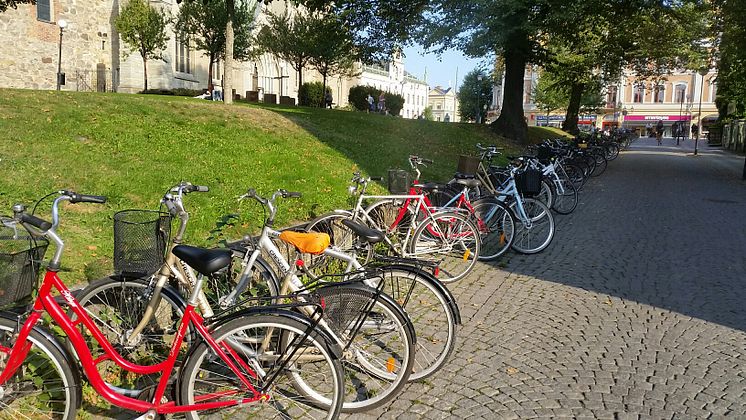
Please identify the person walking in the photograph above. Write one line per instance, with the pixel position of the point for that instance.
(382, 103)
(659, 132)
(371, 103)
(328, 99)
(695, 130)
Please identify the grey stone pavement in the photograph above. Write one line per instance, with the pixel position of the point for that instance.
(636, 310)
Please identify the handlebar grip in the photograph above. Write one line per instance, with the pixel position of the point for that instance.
(36, 221)
(376, 178)
(202, 188)
(291, 194)
(427, 161)
(170, 206)
(85, 198)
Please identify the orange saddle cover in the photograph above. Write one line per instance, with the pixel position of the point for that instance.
(310, 243)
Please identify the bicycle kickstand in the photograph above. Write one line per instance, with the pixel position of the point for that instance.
(149, 415)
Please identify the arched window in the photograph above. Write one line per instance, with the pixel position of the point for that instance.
(659, 93)
(638, 93)
(680, 93)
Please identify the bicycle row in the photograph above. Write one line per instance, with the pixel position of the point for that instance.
(285, 324)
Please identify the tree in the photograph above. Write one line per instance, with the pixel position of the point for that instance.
(730, 22)
(550, 95)
(143, 29)
(289, 38)
(333, 50)
(206, 22)
(427, 113)
(474, 94)
(13, 4)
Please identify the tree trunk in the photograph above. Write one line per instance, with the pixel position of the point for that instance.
(573, 109)
(145, 70)
(210, 87)
(300, 74)
(512, 122)
(323, 90)
(228, 70)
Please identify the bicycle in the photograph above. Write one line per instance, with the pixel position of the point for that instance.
(446, 240)
(369, 383)
(245, 354)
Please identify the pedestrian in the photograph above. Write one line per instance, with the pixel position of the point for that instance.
(659, 132)
(370, 103)
(381, 103)
(649, 129)
(695, 130)
(329, 99)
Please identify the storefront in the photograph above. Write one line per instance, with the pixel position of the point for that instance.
(585, 122)
(643, 123)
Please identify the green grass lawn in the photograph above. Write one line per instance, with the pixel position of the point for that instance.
(538, 134)
(131, 148)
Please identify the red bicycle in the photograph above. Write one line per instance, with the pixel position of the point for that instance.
(265, 361)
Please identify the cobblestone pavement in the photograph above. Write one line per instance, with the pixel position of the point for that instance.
(637, 309)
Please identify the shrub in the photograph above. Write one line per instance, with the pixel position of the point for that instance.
(174, 92)
(359, 96)
(311, 94)
(394, 103)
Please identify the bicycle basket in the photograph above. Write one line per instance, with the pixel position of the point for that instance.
(528, 182)
(399, 181)
(140, 240)
(544, 153)
(20, 260)
(468, 165)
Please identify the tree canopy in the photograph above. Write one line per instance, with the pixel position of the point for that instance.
(143, 28)
(474, 94)
(5, 4)
(730, 22)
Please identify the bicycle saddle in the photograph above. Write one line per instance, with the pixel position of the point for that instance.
(429, 186)
(372, 236)
(468, 182)
(309, 243)
(205, 261)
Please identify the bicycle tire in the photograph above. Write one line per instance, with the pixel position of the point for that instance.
(447, 236)
(539, 215)
(566, 200)
(601, 164)
(496, 225)
(45, 358)
(429, 307)
(382, 214)
(310, 385)
(340, 236)
(384, 327)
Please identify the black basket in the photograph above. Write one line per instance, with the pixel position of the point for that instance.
(528, 182)
(20, 260)
(399, 181)
(140, 240)
(468, 165)
(544, 153)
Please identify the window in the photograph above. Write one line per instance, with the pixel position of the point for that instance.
(639, 93)
(183, 62)
(611, 97)
(680, 93)
(659, 94)
(713, 91)
(439, 106)
(44, 10)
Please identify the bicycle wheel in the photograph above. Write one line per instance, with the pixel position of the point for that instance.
(221, 290)
(46, 385)
(382, 215)
(546, 195)
(450, 240)
(305, 373)
(601, 164)
(429, 306)
(535, 232)
(575, 175)
(496, 227)
(117, 305)
(566, 197)
(378, 341)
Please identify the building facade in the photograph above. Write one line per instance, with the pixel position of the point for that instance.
(444, 104)
(393, 78)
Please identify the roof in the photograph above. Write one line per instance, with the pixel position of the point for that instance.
(439, 90)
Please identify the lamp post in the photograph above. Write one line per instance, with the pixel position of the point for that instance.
(62, 23)
(479, 85)
(702, 72)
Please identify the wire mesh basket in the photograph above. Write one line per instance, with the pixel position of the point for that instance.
(140, 240)
(528, 182)
(21, 256)
(399, 181)
(467, 165)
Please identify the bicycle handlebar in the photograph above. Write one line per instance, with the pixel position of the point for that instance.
(270, 202)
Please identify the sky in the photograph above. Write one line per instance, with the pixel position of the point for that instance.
(440, 71)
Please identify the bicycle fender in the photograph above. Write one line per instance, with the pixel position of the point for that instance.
(450, 300)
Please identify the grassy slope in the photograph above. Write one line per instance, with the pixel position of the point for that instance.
(132, 147)
(537, 134)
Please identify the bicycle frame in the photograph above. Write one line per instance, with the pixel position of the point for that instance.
(46, 302)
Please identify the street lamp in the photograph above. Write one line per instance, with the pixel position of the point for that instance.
(702, 72)
(62, 23)
(479, 85)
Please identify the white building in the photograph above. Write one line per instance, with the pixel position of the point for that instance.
(391, 77)
(444, 103)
